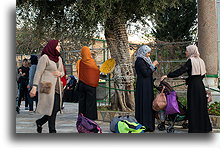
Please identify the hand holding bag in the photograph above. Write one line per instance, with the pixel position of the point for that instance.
(160, 102)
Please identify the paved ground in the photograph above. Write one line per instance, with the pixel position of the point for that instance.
(66, 122)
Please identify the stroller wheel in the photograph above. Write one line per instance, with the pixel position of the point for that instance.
(170, 130)
(185, 125)
(161, 126)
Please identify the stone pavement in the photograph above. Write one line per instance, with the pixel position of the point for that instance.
(65, 123)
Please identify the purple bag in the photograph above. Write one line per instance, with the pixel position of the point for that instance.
(85, 125)
(172, 104)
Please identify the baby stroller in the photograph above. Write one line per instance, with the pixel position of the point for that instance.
(170, 119)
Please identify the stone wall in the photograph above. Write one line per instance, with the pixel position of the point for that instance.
(215, 120)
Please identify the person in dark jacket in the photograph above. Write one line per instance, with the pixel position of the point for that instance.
(69, 91)
(23, 71)
(34, 61)
(144, 88)
(198, 117)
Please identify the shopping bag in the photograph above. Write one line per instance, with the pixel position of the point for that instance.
(172, 104)
(159, 102)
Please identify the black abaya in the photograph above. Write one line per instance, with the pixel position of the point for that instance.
(198, 117)
(87, 101)
(144, 94)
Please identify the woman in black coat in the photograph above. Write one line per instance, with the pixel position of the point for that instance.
(198, 117)
(144, 88)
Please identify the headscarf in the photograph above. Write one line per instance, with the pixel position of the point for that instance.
(50, 50)
(87, 69)
(198, 65)
(34, 60)
(142, 51)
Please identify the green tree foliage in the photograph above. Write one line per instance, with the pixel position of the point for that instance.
(48, 19)
(176, 23)
(27, 42)
(78, 20)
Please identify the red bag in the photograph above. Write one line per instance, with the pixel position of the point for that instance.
(160, 101)
(63, 79)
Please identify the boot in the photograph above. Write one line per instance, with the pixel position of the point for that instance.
(39, 127)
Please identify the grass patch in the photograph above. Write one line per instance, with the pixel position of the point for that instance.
(182, 100)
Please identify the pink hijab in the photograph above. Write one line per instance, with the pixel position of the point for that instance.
(198, 65)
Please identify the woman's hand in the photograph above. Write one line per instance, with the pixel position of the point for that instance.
(57, 73)
(23, 74)
(155, 63)
(163, 77)
(33, 91)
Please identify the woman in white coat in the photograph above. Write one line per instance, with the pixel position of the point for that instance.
(47, 81)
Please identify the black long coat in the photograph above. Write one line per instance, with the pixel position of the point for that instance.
(144, 94)
(198, 117)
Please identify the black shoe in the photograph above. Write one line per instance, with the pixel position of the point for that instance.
(39, 127)
(53, 131)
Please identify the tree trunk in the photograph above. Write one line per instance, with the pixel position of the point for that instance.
(208, 37)
(208, 34)
(117, 41)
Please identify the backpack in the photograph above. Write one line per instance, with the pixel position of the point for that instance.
(85, 125)
(119, 118)
(125, 126)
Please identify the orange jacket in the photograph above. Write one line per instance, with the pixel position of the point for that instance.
(88, 71)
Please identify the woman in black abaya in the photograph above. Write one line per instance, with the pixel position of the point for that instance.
(144, 88)
(198, 117)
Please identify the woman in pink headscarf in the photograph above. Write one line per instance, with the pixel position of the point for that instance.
(198, 117)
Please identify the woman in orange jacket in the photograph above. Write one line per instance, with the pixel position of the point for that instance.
(88, 73)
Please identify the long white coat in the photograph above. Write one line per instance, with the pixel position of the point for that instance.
(44, 72)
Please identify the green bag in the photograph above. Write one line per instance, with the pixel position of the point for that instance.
(125, 126)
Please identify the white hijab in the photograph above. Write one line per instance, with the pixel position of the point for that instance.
(141, 52)
(198, 65)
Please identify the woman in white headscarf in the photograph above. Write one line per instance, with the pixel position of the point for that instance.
(198, 117)
(144, 88)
